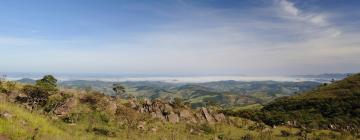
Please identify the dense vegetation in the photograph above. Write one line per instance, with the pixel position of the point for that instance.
(332, 106)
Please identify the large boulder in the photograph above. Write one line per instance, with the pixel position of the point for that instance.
(187, 115)
(219, 117)
(200, 117)
(207, 115)
(173, 118)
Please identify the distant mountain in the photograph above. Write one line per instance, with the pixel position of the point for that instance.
(335, 106)
(27, 81)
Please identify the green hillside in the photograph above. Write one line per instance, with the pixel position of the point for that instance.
(331, 106)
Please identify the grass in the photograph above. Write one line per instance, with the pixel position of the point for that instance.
(23, 123)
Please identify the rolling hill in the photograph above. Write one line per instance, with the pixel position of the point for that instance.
(334, 106)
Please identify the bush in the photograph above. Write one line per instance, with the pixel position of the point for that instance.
(55, 101)
(34, 95)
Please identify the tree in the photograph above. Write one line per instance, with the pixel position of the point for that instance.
(118, 89)
(48, 83)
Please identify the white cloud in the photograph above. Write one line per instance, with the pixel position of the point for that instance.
(289, 8)
(290, 11)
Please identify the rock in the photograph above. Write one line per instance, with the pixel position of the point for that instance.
(219, 117)
(187, 116)
(331, 126)
(147, 102)
(132, 104)
(112, 107)
(208, 117)
(173, 118)
(141, 125)
(154, 129)
(167, 109)
(200, 117)
(159, 115)
(6, 115)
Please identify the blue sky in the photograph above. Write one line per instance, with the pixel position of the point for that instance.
(180, 37)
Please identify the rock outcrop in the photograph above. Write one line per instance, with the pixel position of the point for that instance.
(65, 108)
(168, 112)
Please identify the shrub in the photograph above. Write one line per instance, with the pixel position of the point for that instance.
(35, 95)
(55, 101)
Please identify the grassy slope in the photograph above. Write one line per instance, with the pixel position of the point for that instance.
(337, 103)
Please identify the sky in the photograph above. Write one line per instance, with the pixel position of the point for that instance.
(180, 37)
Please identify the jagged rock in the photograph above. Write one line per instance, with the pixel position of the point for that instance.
(200, 117)
(173, 118)
(208, 117)
(132, 104)
(187, 116)
(219, 117)
(159, 115)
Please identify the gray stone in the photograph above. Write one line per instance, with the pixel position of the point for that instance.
(173, 118)
(208, 117)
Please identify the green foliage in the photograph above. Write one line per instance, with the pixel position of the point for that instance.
(48, 83)
(336, 104)
(55, 101)
(34, 96)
